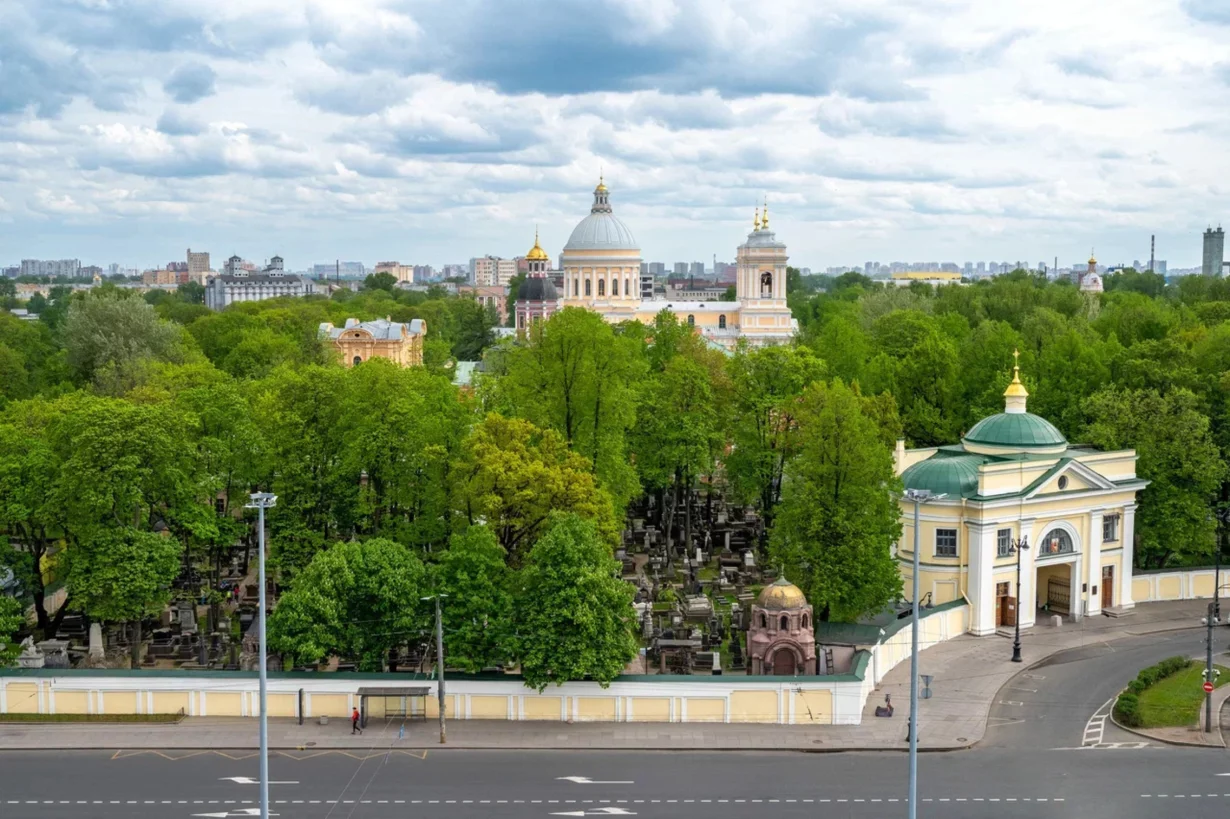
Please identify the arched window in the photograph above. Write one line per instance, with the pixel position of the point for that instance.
(764, 621)
(722, 322)
(576, 287)
(358, 360)
(1056, 542)
(766, 285)
(691, 320)
(601, 287)
(588, 288)
(804, 621)
(785, 623)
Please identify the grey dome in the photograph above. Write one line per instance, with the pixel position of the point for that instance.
(601, 231)
(537, 288)
(763, 238)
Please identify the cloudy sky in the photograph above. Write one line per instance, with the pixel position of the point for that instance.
(430, 131)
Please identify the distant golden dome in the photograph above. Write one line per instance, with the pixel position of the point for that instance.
(781, 595)
(537, 254)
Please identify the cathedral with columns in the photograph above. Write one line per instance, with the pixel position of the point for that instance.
(602, 272)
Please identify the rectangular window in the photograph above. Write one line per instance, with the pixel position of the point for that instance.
(1110, 528)
(1003, 542)
(945, 542)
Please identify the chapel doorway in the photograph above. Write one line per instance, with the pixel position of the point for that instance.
(1108, 586)
(783, 662)
(1005, 606)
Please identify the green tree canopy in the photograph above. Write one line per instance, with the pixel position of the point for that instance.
(572, 613)
(12, 619)
(473, 572)
(356, 601)
(109, 336)
(838, 519)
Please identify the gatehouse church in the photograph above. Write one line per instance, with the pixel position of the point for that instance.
(1015, 479)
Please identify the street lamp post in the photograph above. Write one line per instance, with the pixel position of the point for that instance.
(260, 502)
(1016, 547)
(918, 497)
(1223, 517)
(1209, 675)
(439, 660)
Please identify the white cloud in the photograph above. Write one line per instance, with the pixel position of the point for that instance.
(412, 129)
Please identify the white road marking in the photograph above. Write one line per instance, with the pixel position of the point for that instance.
(1095, 728)
(585, 780)
(247, 780)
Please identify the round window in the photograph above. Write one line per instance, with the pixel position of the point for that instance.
(1063, 481)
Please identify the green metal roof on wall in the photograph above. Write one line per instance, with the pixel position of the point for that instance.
(953, 475)
(1020, 429)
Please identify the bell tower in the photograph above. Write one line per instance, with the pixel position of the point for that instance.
(761, 263)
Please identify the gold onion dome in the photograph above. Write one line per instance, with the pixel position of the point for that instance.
(781, 595)
(537, 254)
(601, 184)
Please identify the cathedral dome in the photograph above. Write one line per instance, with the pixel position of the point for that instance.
(1021, 430)
(602, 229)
(781, 595)
(537, 288)
(537, 254)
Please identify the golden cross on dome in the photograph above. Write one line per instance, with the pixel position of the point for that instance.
(756, 221)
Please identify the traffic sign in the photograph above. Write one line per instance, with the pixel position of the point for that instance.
(1208, 687)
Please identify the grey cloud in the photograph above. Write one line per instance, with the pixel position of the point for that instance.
(190, 82)
(175, 123)
(1086, 66)
(548, 47)
(909, 120)
(44, 76)
(1208, 11)
(263, 154)
(353, 95)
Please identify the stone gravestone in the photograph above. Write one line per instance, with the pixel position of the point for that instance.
(30, 656)
(187, 617)
(96, 654)
(55, 653)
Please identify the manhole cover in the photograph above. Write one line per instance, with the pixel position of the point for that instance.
(962, 739)
(309, 743)
(817, 742)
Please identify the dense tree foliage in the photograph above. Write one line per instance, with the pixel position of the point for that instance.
(572, 614)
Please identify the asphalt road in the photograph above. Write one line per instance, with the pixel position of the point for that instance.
(1050, 706)
(1032, 765)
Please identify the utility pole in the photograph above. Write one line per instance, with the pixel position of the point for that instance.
(439, 661)
(1209, 675)
(262, 501)
(918, 496)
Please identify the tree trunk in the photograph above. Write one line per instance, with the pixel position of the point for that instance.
(136, 644)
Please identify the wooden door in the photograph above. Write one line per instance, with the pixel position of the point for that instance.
(1003, 612)
(783, 662)
(1108, 586)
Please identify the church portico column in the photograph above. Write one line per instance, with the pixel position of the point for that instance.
(981, 544)
(1093, 561)
(1026, 596)
(1128, 538)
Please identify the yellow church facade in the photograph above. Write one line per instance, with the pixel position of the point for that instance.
(1015, 479)
(602, 272)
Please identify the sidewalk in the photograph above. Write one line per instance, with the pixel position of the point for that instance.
(967, 674)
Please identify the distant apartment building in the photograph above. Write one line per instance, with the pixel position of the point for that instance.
(1214, 252)
(696, 269)
(46, 267)
(160, 278)
(424, 273)
(198, 266)
(453, 271)
(343, 270)
(492, 271)
(657, 269)
(11, 272)
(488, 296)
(238, 283)
(399, 271)
(681, 269)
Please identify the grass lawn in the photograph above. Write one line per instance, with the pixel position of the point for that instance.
(90, 717)
(1177, 700)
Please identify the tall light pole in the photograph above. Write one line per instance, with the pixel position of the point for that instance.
(1223, 519)
(1209, 675)
(918, 496)
(1016, 547)
(260, 502)
(439, 660)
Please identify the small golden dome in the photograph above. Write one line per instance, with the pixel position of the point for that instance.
(601, 184)
(781, 595)
(537, 254)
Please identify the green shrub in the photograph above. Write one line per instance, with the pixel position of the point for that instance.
(1127, 710)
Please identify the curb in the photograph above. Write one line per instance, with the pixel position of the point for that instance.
(488, 748)
(1139, 733)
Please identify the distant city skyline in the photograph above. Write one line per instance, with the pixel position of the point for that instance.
(432, 133)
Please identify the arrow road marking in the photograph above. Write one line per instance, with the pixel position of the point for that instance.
(247, 780)
(585, 780)
(597, 812)
(240, 812)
